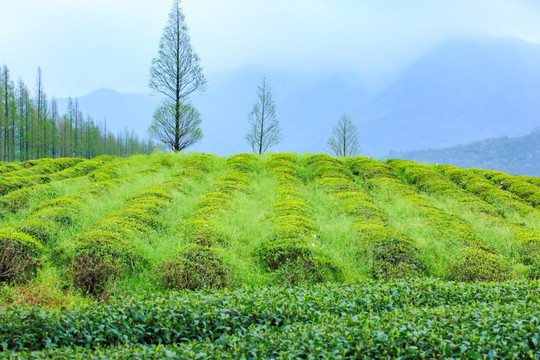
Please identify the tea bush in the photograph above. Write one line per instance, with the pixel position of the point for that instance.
(291, 255)
(479, 262)
(528, 192)
(392, 254)
(406, 319)
(525, 240)
(197, 267)
(6, 167)
(484, 189)
(187, 270)
(19, 256)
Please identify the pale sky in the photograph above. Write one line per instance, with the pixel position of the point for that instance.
(83, 45)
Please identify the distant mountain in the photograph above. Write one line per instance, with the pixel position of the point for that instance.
(463, 91)
(518, 156)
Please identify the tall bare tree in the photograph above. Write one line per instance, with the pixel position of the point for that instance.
(264, 131)
(176, 73)
(344, 139)
(41, 104)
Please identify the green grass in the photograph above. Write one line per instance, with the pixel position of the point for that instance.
(337, 236)
(436, 251)
(246, 227)
(236, 198)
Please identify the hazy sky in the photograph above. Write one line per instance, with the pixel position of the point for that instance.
(82, 45)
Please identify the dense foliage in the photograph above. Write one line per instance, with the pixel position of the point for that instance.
(407, 319)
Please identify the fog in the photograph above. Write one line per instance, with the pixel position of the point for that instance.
(88, 44)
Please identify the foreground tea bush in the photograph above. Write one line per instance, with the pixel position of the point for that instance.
(411, 319)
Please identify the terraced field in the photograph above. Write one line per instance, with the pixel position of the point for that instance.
(194, 254)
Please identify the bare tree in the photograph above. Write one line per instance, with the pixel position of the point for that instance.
(264, 130)
(165, 124)
(344, 139)
(175, 73)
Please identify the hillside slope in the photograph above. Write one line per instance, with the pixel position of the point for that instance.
(190, 221)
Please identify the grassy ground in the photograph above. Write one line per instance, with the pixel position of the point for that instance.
(244, 222)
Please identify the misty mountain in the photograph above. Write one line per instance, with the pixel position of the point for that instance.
(463, 91)
(519, 156)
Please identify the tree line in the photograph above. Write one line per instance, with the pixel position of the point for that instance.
(31, 127)
(176, 73)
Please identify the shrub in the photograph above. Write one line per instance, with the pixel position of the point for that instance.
(241, 162)
(100, 257)
(296, 263)
(97, 188)
(49, 166)
(483, 188)
(369, 168)
(196, 166)
(148, 204)
(155, 192)
(125, 226)
(212, 203)
(65, 202)
(173, 185)
(43, 230)
(480, 265)
(6, 167)
(520, 187)
(427, 180)
(359, 205)
(294, 227)
(488, 266)
(19, 256)
(77, 170)
(105, 158)
(202, 231)
(138, 215)
(198, 267)
(288, 206)
(94, 273)
(393, 255)
(530, 179)
(62, 210)
(16, 200)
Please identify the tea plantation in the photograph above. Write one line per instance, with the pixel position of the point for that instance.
(274, 256)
